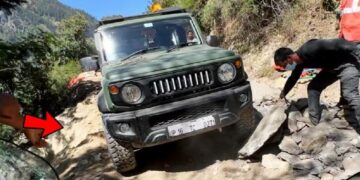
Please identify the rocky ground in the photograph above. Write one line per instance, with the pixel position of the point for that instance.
(329, 150)
(297, 151)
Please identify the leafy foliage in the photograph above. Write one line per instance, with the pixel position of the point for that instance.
(72, 35)
(37, 68)
(238, 23)
(35, 14)
(26, 65)
(7, 5)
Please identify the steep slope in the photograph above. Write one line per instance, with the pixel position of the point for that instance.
(45, 14)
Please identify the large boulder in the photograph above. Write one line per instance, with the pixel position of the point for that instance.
(267, 127)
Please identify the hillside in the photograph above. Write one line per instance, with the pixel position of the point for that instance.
(45, 14)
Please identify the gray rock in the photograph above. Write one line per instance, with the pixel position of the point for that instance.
(335, 171)
(327, 115)
(327, 176)
(305, 156)
(340, 114)
(343, 148)
(356, 142)
(307, 121)
(308, 167)
(267, 127)
(297, 137)
(340, 123)
(328, 155)
(309, 177)
(306, 113)
(288, 157)
(272, 162)
(294, 116)
(313, 141)
(351, 165)
(300, 125)
(292, 125)
(289, 145)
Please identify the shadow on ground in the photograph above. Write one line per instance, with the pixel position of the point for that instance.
(193, 154)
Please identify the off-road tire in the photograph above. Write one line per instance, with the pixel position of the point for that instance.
(121, 153)
(243, 129)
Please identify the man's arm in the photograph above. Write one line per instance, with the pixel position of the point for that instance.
(290, 83)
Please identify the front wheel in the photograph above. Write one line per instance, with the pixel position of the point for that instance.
(121, 153)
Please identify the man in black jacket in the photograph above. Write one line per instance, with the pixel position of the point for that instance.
(337, 58)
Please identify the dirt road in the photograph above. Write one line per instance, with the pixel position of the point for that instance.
(79, 151)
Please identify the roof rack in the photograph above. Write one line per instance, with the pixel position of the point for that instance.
(166, 11)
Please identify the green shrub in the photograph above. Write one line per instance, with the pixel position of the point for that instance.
(6, 132)
(210, 13)
(60, 75)
(187, 4)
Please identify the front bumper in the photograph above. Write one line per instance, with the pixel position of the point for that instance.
(148, 127)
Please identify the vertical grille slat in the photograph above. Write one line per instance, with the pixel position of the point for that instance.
(202, 78)
(167, 85)
(181, 82)
(173, 83)
(185, 81)
(162, 87)
(191, 80)
(155, 88)
(196, 79)
(207, 77)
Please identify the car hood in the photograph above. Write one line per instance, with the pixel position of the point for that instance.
(161, 62)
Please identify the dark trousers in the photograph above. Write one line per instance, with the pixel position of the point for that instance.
(349, 75)
(342, 100)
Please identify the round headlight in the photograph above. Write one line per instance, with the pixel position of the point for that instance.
(131, 94)
(226, 73)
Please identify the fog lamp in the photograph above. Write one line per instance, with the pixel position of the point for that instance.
(124, 128)
(243, 98)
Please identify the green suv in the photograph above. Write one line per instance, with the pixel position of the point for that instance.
(163, 81)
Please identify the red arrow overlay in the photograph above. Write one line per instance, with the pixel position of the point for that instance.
(49, 125)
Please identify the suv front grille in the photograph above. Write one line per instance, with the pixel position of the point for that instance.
(181, 82)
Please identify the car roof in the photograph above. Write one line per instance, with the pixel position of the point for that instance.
(166, 11)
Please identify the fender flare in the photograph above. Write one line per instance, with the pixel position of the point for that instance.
(101, 102)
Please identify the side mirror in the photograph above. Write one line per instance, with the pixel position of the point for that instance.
(212, 40)
(89, 63)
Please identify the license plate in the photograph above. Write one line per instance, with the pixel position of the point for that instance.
(191, 126)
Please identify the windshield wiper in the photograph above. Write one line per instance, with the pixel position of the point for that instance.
(141, 51)
(180, 45)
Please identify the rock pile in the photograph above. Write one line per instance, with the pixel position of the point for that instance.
(329, 150)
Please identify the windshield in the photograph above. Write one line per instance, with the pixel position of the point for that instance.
(16, 163)
(120, 42)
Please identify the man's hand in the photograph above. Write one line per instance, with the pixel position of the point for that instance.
(282, 95)
(283, 100)
(34, 136)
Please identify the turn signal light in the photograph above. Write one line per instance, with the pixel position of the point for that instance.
(114, 90)
(238, 64)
